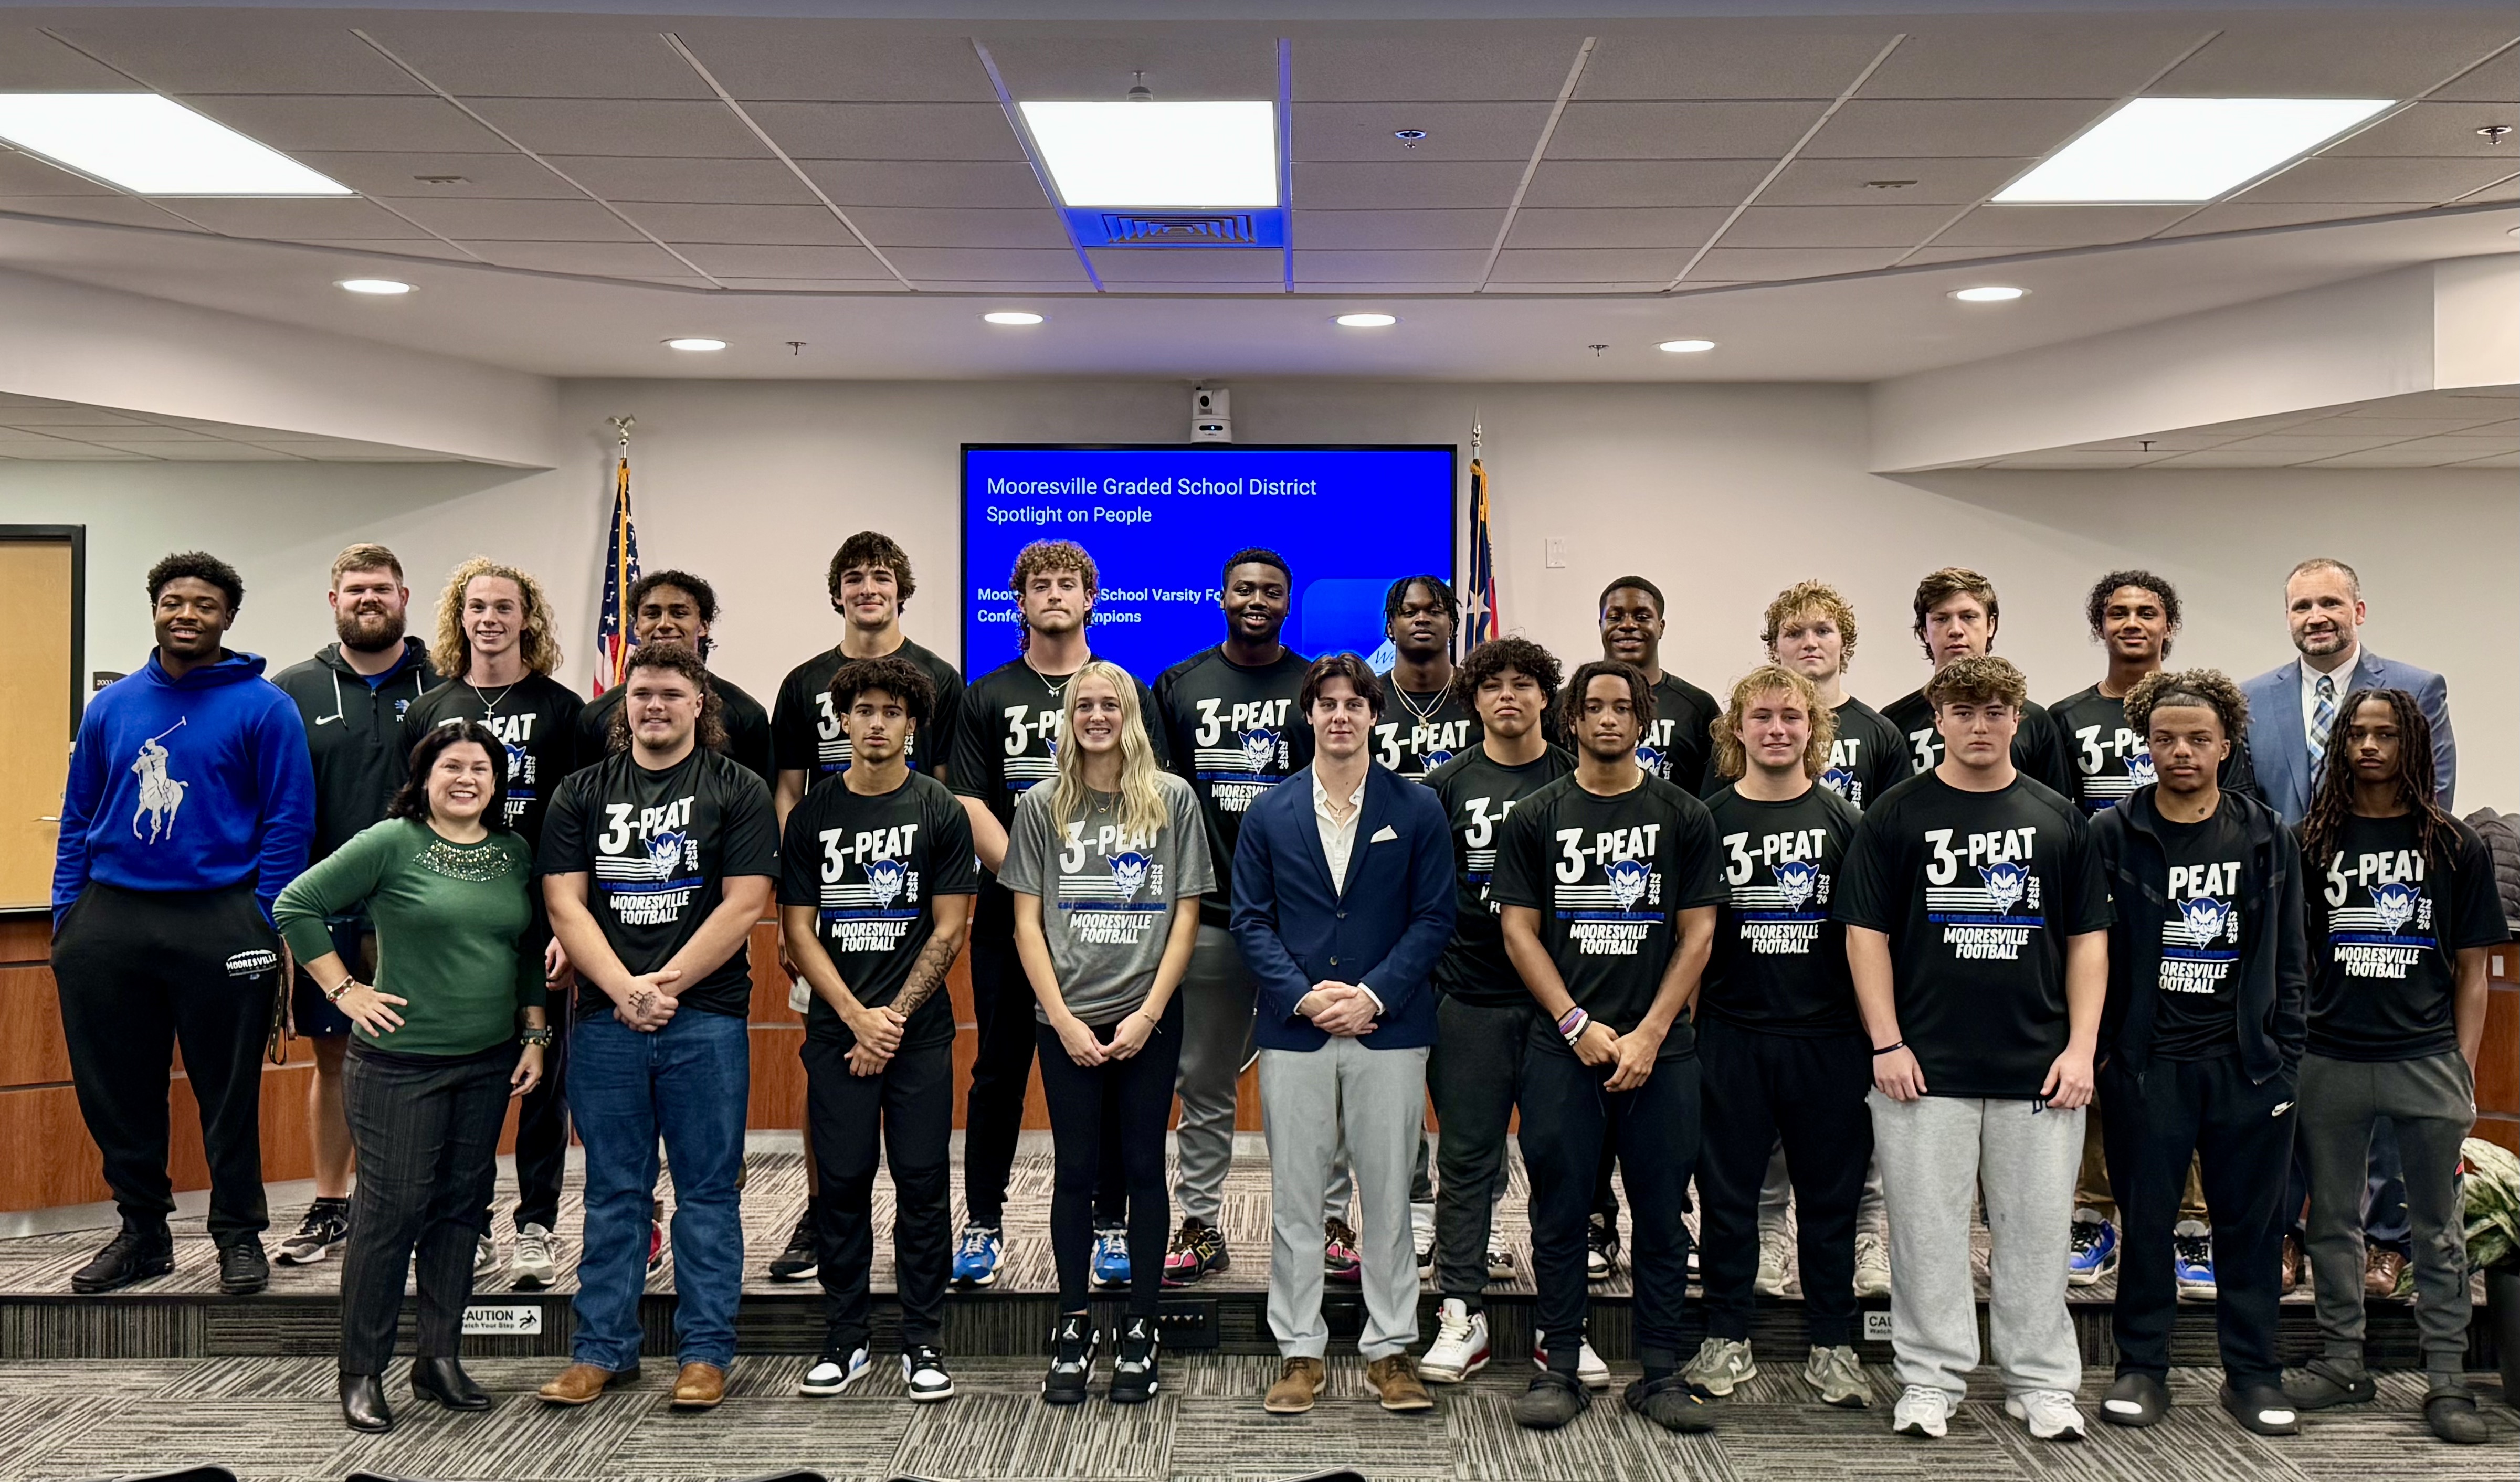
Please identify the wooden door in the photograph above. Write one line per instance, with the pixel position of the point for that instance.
(38, 593)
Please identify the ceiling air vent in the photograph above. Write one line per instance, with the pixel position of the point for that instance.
(1262, 228)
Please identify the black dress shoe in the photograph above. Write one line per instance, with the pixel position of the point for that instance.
(134, 1254)
(445, 1381)
(363, 1403)
(243, 1268)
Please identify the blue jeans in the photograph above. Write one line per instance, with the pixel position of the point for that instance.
(689, 1081)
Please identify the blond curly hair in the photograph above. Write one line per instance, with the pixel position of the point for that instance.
(1732, 758)
(452, 653)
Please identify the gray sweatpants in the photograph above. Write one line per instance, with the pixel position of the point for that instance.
(1373, 1104)
(2433, 1103)
(1937, 1152)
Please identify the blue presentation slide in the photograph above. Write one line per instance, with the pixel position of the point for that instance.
(1160, 521)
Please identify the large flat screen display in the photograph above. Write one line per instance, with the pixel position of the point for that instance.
(1159, 522)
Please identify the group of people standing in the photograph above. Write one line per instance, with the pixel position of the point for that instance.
(1869, 966)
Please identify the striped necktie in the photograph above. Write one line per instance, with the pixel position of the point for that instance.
(2323, 719)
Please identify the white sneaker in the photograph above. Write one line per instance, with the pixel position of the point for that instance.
(922, 1373)
(831, 1373)
(1837, 1376)
(1871, 1266)
(1776, 1263)
(2048, 1415)
(1421, 1236)
(1721, 1365)
(485, 1257)
(1460, 1346)
(530, 1266)
(1922, 1411)
(1589, 1367)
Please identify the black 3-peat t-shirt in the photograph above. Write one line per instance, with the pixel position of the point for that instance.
(1869, 757)
(748, 727)
(2197, 1015)
(1006, 738)
(871, 868)
(2037, 747)
(1479, 793)
(1678, 745)
(2386, 926)
(1780, 963)
(1977, 892)
(659, 847)
(1234, 733)
(2111, 761)
(1420, 733)
(536, 717)
(805, 730)
(1609, 877)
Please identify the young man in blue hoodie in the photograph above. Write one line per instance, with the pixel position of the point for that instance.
(189, 804)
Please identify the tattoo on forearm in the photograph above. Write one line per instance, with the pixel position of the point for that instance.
(925, 975)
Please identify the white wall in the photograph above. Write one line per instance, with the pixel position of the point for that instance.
(1721, 494)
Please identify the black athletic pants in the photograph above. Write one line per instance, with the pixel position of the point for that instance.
(426, 1127)
(1474, 1075)
(139, 973)
(1090, 1108)
(1567, 1116)
(542, 1126)
(2242, 1135)
(910, 1106)
(1809, 1091)
(1002, 1003)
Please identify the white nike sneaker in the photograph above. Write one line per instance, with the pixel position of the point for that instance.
(1721, 1366)
(1460, 1346)
(1922, 1411)
(1589, 1367)
(2048, 1415)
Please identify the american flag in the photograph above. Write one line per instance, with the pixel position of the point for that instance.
(1485, 623)
(620, 574)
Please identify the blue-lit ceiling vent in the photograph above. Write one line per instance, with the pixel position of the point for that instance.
(1262, 228)
(1139, 173)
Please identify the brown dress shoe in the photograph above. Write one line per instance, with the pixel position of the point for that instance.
(580, 1383)
(1297, 1383)
(2292, 1264)
(2381, 1269)
(1394, 1378)
(700, 1386)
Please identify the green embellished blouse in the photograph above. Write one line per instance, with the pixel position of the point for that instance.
(457, 932)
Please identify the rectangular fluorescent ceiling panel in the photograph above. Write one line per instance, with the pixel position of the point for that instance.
(152, 146)
(1200, 156)
(2176, 149)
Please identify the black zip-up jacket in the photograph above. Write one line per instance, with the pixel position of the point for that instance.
(354, 734)
(2273, 985)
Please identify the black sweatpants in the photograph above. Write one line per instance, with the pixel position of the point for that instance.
(1567, 1115)
(910, 1106)
(2241, 1135)
(140, 972)
(1474, 1076)
(1002, 1004)
(1090, 1108)
(426, 1127)
(542, 1127)
(1760, 1087)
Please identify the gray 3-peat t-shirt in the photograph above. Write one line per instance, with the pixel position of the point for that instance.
(1106, 901)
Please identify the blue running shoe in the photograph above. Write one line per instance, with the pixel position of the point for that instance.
(2094, 1251)
(2191, 1258)
(977, 1255)
(1110, 1258)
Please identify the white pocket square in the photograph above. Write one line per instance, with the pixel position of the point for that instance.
(1386, 832)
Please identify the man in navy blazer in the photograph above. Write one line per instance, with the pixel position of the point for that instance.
(1342, 904)
(2323, 605)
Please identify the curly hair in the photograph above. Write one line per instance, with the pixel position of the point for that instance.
(1495, 656)
(2436, 832)
(892, 674)
(1346, 666)
(1942, 586)
(1641, 696)
(674, 658)
(1053, 556)
(411, 800)
(2095, 607)
(1977, 681)
(203, 566)
(872, 548)
(1732, 758)
(452, 653)
(702, 594)
(1812, 596)
(2210, 687)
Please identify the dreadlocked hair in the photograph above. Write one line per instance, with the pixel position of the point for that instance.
(2435, 834)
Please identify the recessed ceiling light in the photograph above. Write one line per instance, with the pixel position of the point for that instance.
(153, 146)
(1366, 321)
(382, 286)
(1988, 294)
(696, 342)
(2175, 149)
(1182, 154)
(1011, 316)
(1685, 346)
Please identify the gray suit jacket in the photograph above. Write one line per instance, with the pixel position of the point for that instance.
(2281, 753)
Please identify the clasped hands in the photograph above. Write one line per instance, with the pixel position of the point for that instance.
(647, 1006)
(1344, 1010)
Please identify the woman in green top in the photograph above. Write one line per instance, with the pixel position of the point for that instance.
(436, 1056)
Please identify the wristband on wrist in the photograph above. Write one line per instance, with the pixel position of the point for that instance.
(1572, 1028)
(542, 1036)
(1886, 1048)
(333, 994)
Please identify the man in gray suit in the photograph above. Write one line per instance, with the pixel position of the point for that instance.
(2292, 708)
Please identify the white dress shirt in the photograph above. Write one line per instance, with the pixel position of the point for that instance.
(2343, 675)
(1338, 839)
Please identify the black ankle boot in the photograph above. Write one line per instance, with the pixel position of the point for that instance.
(445, 1381)
(363, 1403)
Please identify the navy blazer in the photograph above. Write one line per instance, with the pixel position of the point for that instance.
(2280, 754)
(1385, 929)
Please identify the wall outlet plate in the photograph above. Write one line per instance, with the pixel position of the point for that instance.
(1553, 553)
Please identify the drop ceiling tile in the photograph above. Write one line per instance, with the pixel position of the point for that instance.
(1456, 266)
(142, 434)
(234, 51)
(208, 450)
(1196, 289)
(1454, 131)
(1407, 184)
(2313, 442)
(2231, 458)
(504, 175)
(725, 182)
(1762, 130)
(1497, 62)
(1188, 265)
(1576, 265)
(1643, 183)
(1732, 58)
(377, 255)
(2401, 457)
(755, 225)
(2299, 55)
(579, 221)
(1209, 60)
(811, 61)
(69, 415)
(1371, 230)
(344, 218)
(2020, 57)
(1835, 225)
(2464, 444)
(1361, 287)
(937, 183)
(1769, 264)
(889, 130)
(2058, 226)
(640, 127)
(1932, 182)
(2496, 461)
(430, 125)
(74, 452)
(31, 62)
(23, 174)
(820, 284)
(119, 211)
(2497, 82)
(488, 55)
(1496, 286)
(1665, 227)
(2394, 426)
(720, 259)
(949, 227)
(2074, 459)
(2378, 180)
(2439, 129)
(989, 265)
(2009, 127)
(592, 260)
(2506, 188)
(2248, 214)
(1008, 291)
